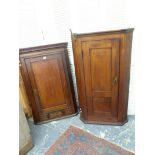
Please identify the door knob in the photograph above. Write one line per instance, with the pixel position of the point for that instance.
(115, 79)
(44, 58)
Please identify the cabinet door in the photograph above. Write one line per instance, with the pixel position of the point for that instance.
(49, 82)
(101, 72)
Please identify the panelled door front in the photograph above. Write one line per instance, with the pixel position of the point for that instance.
(49, 83)
(101, 72)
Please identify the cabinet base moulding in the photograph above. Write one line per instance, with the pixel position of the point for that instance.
(55, 119)
(102, 122)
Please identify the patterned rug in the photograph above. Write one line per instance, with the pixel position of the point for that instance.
(75, 141)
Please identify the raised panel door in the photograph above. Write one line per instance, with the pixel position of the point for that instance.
(101, 72)
(49, 83)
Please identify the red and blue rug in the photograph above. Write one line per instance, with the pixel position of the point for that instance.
(75, 141)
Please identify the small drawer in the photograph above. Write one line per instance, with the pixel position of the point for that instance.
(55, 114)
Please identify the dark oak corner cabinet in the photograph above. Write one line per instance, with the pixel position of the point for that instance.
(102, 65)
(48, 81)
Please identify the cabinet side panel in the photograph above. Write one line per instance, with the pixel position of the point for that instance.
(29, 90)
(125, 60)
(79, 75)
(69, 80)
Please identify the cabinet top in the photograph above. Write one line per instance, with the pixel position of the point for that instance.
(103, 32)
(43, 47)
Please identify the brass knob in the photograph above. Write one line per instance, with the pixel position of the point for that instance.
(115, 79)
(44, 57)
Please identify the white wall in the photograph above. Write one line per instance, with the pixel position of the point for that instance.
(46, 21)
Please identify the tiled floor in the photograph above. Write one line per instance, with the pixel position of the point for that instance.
(46, 134)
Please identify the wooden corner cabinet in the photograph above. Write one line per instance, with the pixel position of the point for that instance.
(47, 77)
(102, 65)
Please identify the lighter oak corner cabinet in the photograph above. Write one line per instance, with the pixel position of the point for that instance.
(102, 65)
(48, 81)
